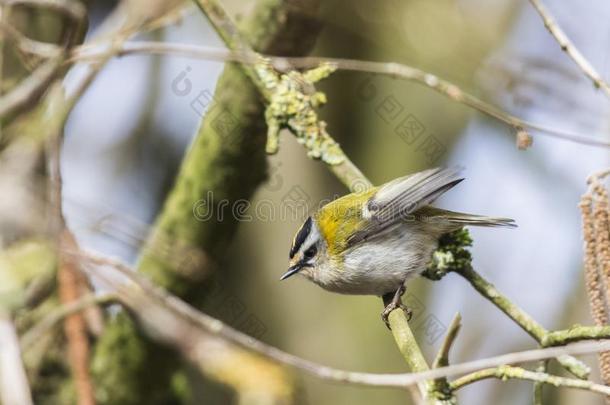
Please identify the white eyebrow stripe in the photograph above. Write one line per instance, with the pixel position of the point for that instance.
(312, 238)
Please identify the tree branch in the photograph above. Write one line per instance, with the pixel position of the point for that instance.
(568, 47)
(508, 372)
(442, 357)
(441, 385)
(391, 69)
(111, 272)
(520, 317)
(50, 320)
(575, 334)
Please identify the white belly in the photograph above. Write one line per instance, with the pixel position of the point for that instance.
(381, 265)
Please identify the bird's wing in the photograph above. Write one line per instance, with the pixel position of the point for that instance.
(397, 199)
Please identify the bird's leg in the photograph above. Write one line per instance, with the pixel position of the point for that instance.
(393, 301)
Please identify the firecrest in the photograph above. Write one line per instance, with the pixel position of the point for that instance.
(373, 242)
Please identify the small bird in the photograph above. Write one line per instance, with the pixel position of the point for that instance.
(373, 242)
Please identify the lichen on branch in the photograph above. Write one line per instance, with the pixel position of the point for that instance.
(292, 104)
(452, 254)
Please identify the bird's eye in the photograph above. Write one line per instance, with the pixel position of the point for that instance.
(311, 252)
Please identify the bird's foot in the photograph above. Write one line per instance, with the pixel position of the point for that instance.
(393, 301)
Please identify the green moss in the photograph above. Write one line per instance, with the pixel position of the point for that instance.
(292, 104)
(226, 162)
(575, 333)
(21, 264)
(452, 254)
(118, 367)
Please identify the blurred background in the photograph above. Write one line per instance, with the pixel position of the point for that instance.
(126, 138)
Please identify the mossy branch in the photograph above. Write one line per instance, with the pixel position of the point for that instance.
(453, 256)
(441, 386)
(575, 334)
(226, 160)
(508, 372)
(292, 105)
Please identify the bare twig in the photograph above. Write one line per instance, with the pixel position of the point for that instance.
(30, 89)
(598, 176)
(391, 69)
(114, 270)
(69, 279)
(57, 315)
(27, 45)
(14, 387)
(441, 385)
(575, 334)
(539, 386)
(508, 372)
(410, 352)
(521, 318)
(442, 357)
(71, 9)
(568, 47)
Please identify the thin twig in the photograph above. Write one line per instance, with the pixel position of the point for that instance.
(27, 45)
(69, 279)
(58, 314)
(597, 176)
(113, 270)
(30, 89)
(568, 46)
(442, 357)
(521, 318)
(14, 387)
(391, 69)
(410, 352)
(441, 385)
(71, 9)
(539, 386)
(575, 334)
(508, 372)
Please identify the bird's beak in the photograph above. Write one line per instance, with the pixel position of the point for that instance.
(292, 270)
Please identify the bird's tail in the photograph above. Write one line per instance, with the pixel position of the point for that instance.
(477, 220)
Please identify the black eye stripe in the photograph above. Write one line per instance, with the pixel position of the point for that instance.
(300, 238)
(311, 252)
